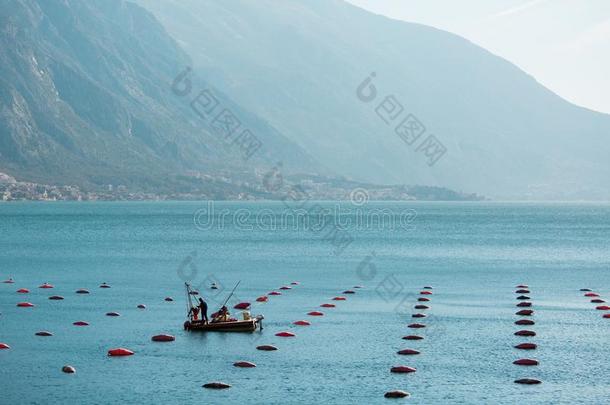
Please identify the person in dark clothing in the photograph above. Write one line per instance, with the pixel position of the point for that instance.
(203, 308)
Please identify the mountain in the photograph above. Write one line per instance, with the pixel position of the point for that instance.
(89, 95)
(298, 64)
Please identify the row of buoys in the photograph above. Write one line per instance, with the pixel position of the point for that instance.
(596, 299)
(524, 289)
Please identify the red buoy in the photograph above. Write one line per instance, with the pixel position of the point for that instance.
(421, 307)
(242, 305)
(25, 304)
(315, 313)
(412, 337)
(80, 323)
(141, 306)
(524, 312)
(597, 301)
(528, 381)
(524, 304)
(522, 286)
(526, 362)
(285, 287)
(82, 291)
(4, 346)
(407, 352)
(9, 281)
(339, 299)
(523, 297)
(603, 308)
(56, 297)
(262, 298)
(606, 316)
(266, 348)
(425, 292)
(328, 305)
(45, 285)
(301, 323)
(121, 351)
(112, 314)
(416, 325)
(522, 291)
(169, 299)
(418, 316)
(525, 333)
(403, 369)
(396, 394)
(244, 364)
(104, 285)
(349, 292)
(423, 299)
(285, 334)
(43, 333)
(525, 322)
(68, 369)
(526, 346)
(163, 338)
(23, 291)
(591, 294)
(216, 386)
(275, 293)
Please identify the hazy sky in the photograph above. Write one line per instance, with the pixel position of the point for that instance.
(564, 44)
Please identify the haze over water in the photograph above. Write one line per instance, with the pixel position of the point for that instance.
(473, 254)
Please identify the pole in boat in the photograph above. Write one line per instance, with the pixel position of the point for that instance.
(230, 295)
(189, 302)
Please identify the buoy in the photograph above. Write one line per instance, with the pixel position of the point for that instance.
(121, 351)
(526, 346)
(403, 369)
(163, 338)
(427, 287)
(418, 316)
(242, 305)
(56, 297)
(285, 334)
(524, 312)
(523, 297)
(525, 322)
(315, 313)
(597, 301)
(416, 325)
(591, 294)
(528, 381)
(245, 364)
(522, 291)
(407, 352)
(294, 283)
(301, 323)
(68, 369)
(45, 285)
(525, 333)
(82, 291)
(112, 314)
(396, 394)
(169, 299)
(216, 385)
(275, 293)
(285, 287)
(524, 304)
(23, 291)
(421, 307)
(9, 281)
(526, 362)
(4, 346)
(339, 299)
(328, 305)
(412, 337)
(43, 333)
(425, 292)
(141, 306)
(585, 289)
(603, 308)
(25, 304)
(349, 292)
(606, 316)
(80, 323)
(262, 298)
(266, 348)
(104, 285)
(423, 299)
(358, 286)
(522, 286)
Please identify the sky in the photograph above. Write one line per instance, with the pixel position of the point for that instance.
(564, 44)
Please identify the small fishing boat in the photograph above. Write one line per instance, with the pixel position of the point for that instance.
(246, 324)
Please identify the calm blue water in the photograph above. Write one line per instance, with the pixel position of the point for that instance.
(473, 254)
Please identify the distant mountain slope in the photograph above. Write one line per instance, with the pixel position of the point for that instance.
(85, 98)
(298, 63)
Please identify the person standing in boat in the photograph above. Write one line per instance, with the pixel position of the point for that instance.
(203, 308)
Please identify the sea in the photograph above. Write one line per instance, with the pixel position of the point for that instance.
(379, 256)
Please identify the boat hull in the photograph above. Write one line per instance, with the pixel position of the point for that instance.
(235, 326)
